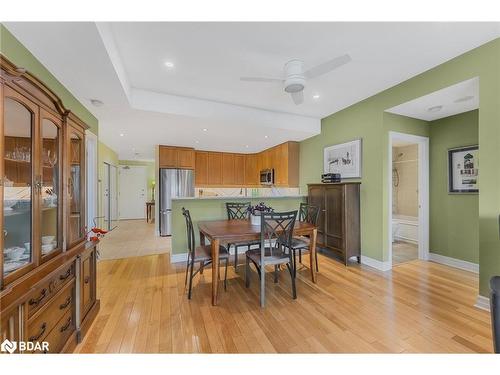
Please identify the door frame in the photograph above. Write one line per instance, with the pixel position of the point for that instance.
(423, 191)
(92, 179)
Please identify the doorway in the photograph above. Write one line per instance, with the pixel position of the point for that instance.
(133, 188)
(408, 198)
(110, 196)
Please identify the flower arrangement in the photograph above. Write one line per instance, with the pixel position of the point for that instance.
(256, 211)
(96, 233)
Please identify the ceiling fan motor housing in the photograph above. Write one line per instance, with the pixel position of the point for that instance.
(294, 73)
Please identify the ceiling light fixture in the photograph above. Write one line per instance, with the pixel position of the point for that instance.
(196, 141)
(205, 129)
(96, 102)
(316, 96)
(436, 108)
(266, 136)
(246, 146)
(169, 64)
(122, 135)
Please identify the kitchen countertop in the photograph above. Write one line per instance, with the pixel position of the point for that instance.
(238, 197)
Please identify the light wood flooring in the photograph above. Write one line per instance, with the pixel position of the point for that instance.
(417, 307)
(403, 252)
(132, 238)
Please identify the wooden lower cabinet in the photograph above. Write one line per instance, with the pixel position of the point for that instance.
(339, 219)
(55, 306)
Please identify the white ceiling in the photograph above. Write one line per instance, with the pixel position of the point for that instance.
(122, 64)
(452, 100)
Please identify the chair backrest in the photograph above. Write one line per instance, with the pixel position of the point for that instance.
(309, 213)
(276, 231)
(237, 210)
(495, 311)
(190, 231)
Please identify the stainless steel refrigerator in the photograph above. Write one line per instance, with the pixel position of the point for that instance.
(174, 183)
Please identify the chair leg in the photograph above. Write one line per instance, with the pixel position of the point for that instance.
(225, 273)
(235, 257)
(187, 270)
(247, 272)
(294, 290)
(300, 256)
(202, 267)
(316, 256)
(262, 285)
(294, 263)
(275, 273)
(190, 279)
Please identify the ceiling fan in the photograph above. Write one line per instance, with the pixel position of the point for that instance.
(295, 77)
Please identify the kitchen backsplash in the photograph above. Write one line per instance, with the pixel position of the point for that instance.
(244, 192)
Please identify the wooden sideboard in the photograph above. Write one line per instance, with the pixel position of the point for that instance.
(47, 268)
(339, 219)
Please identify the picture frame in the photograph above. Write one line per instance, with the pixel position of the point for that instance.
(463, 170)
(344, 158)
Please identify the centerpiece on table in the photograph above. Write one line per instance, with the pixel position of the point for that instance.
(257, 211)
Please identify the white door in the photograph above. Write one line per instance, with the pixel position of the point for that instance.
(132, 196)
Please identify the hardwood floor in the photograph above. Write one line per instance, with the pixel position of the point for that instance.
(403, 252)
(418, 307)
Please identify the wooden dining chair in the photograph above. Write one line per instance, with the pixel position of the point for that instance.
(275, 236)
(199, 254)
(308, 214)
(239, 211)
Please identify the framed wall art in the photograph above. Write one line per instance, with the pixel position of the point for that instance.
(463, 170)
(344, 158)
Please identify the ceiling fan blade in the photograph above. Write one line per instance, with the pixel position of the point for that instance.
(260, 79)
(298, 97)
(327, 66)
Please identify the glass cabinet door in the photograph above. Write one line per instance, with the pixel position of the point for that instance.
(50, 191)
(18, 135)
(76, 190)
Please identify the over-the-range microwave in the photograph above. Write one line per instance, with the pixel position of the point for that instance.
(267, 177)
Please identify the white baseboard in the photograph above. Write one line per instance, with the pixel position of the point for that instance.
(178, 258)
(483, 303)
(452, 262)
(377, 264)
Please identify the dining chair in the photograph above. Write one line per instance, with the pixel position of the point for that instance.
(239, 211)
(199, 254)
(308, 214)
(495, 311)
(276, 233)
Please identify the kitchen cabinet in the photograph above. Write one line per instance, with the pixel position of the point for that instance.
(339, 219)
(176, 157)
(239, 169)
(43, 207)
(201, 168)
(228, 172)
(252, 169)
(215, 168)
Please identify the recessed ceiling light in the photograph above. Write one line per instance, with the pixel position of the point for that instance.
(316, 96)
(246, 146)
(205, 129)
(122, 135)
(464, 99)
(266, 136)
(436, 108)
(196, 141)
(96, 102)
(169, 64)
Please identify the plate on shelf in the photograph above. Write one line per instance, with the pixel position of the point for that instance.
(11, 265)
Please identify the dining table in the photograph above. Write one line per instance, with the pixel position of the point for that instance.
(236, 231)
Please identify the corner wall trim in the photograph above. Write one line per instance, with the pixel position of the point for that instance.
(377, 264)
(482, 303)
(453, 262)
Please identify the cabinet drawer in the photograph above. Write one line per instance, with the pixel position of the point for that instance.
(47, 317)
(60, 333)
(49, 288)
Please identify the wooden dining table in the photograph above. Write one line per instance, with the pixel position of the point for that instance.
(232, 231)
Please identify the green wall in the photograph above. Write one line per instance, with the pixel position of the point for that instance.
(13, 50)
(214, 209)
(150, 165)
(368, 121)
(454, 218)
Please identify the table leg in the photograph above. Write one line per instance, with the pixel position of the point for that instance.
(215, 270)
(312, 255)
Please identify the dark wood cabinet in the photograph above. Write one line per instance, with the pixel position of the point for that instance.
(339, 219)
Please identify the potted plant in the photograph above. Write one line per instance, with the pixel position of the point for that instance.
(257, 211)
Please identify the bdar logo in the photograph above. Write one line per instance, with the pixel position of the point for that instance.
(8, 346)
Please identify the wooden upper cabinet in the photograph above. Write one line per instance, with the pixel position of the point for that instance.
(201, 168)
(215, 168)
(252, 169)
(228, 172)
(177, 157)
(185, 158)
(239, 169)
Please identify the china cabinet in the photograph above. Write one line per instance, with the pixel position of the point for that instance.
(47, 268)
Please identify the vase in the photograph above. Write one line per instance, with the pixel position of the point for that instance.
(255, 219)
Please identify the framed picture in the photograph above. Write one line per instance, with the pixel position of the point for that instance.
(344, 158)
(463, 169)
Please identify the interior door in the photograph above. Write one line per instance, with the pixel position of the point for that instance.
(105, 196)
(132, 195)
